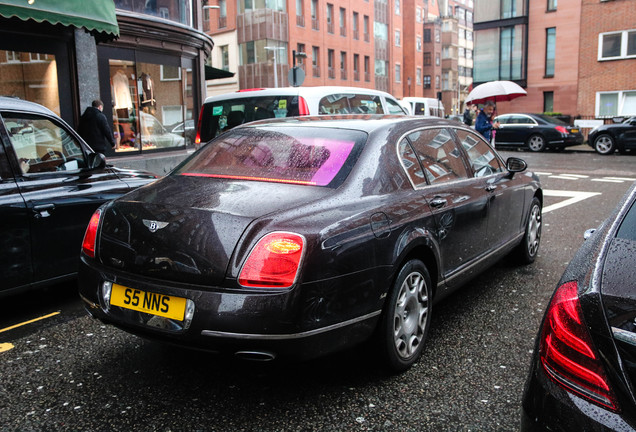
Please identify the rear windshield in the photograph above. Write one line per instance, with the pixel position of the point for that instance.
(297, 155)
(223, 115)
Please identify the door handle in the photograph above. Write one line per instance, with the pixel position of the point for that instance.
(43, 210)
(438, 202)
(491, 188)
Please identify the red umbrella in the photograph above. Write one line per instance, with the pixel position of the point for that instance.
(496, 91)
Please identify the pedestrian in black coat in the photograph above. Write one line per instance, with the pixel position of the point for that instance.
(94, 128)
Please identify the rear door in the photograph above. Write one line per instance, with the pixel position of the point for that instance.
(15, 237)
(458, 201)
(60, 193)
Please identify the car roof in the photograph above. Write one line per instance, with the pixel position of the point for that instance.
(15, 104)
(291, 91)
(363, 122)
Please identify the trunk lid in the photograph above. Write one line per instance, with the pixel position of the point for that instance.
(185, 229)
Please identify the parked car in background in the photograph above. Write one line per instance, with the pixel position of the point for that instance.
(583, 371)
(536, 132)
(52, 182)
(423, 106)
(608, 138)
(293, 238)
(223, 112)
(155, 135)
(185, 129)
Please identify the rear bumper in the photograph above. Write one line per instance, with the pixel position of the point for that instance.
(248, 324)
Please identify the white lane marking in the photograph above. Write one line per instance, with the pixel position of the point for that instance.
(563, 177)
(607, 180)
(542, 173)
(628, 179)
(574, 197)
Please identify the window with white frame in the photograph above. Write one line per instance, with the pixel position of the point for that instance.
(418, 14)
(616, 104)
(397, 7)
(617, 45)
(398, 73)
(418, 76)
(397, 38)
(418, 43)
(170, 73)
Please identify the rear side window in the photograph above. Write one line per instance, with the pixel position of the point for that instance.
(438, 154)
(296, 155)
(223, 115)
(350, 104)
(393, 107)
(480, 155)
(627, 229)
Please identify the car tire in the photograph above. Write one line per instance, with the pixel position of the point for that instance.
(406, 317)
(536, 143)
(604, 144)
(528, 249)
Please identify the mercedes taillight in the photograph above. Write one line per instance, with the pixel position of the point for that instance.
(567, 352)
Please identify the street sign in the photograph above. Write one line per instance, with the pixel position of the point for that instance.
(299, 78)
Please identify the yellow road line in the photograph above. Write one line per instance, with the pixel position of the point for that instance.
(29, 322)
(5, 347)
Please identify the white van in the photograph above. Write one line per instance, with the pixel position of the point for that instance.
(423, 106)
(222, 112)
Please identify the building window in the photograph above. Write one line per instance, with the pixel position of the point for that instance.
(315, 24)
(552, 5)
(356, 67)
(398, 73)
(170, 73)
(418, 76)
(343, 65)
(329, 18)
(427, 81)
(437, 60)
(331, 73)
(343, 22)
(617, 45)
(355, 26)
(315, 63)
(427, 59)
(437, 81)
(225, 58)
(397, 7)
(427, 35)
(418, 14)
(437, 35)
(418, 43)
(548, 102)
(550, 51)
(615, 104)
(367, 72)
(365, 28)
(397, 38)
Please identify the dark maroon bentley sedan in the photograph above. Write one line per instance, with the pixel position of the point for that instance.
(297, 237)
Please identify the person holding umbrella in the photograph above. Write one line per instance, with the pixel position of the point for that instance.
(484, 124)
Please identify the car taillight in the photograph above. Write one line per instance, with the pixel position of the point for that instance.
(274, 261)
(197, 139)
(303, 108)
(88, 245)
(567, 352)
(561, 129)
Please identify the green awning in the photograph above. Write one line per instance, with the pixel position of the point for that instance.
(96, 16)
(214, 73)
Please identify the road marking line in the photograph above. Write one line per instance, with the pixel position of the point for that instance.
(621, 178)
(563, 177)
(606, 180)
(574, 197)
(542, 173)
(6, 347)
(29, 322)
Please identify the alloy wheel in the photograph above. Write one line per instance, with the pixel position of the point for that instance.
(410, 315)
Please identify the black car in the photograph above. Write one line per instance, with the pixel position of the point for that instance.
(52, 182)
(608, 138)
(536, 132)
(583, 372)
(301, 236)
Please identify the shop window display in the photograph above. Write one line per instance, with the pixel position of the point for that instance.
(147, 104)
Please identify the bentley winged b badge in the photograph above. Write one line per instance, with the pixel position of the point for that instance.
(153, 226)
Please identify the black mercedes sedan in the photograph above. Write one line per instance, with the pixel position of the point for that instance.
(583, 371)
(536, 132)
(51, 183)
(608, 138)
(297, 237)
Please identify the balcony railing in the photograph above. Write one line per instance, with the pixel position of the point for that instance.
(343, 31)
(355, 35)
(343, 74)
(331, 73)
(315, 25)
(222, 22)
(315, 71)
(356, 75)
(300, 20)
(330, 27)
(366, 37)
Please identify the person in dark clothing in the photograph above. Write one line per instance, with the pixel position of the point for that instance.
(468, 115)
(94, 128)
(484, 124)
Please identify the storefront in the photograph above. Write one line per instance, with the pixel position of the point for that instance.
(143, 58)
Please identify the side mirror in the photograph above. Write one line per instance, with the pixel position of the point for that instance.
(96, 161)
(515, 165)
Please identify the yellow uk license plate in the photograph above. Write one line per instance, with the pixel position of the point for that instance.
(574, 130)
(148, 302)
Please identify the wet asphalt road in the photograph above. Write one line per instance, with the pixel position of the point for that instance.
(69, 372)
